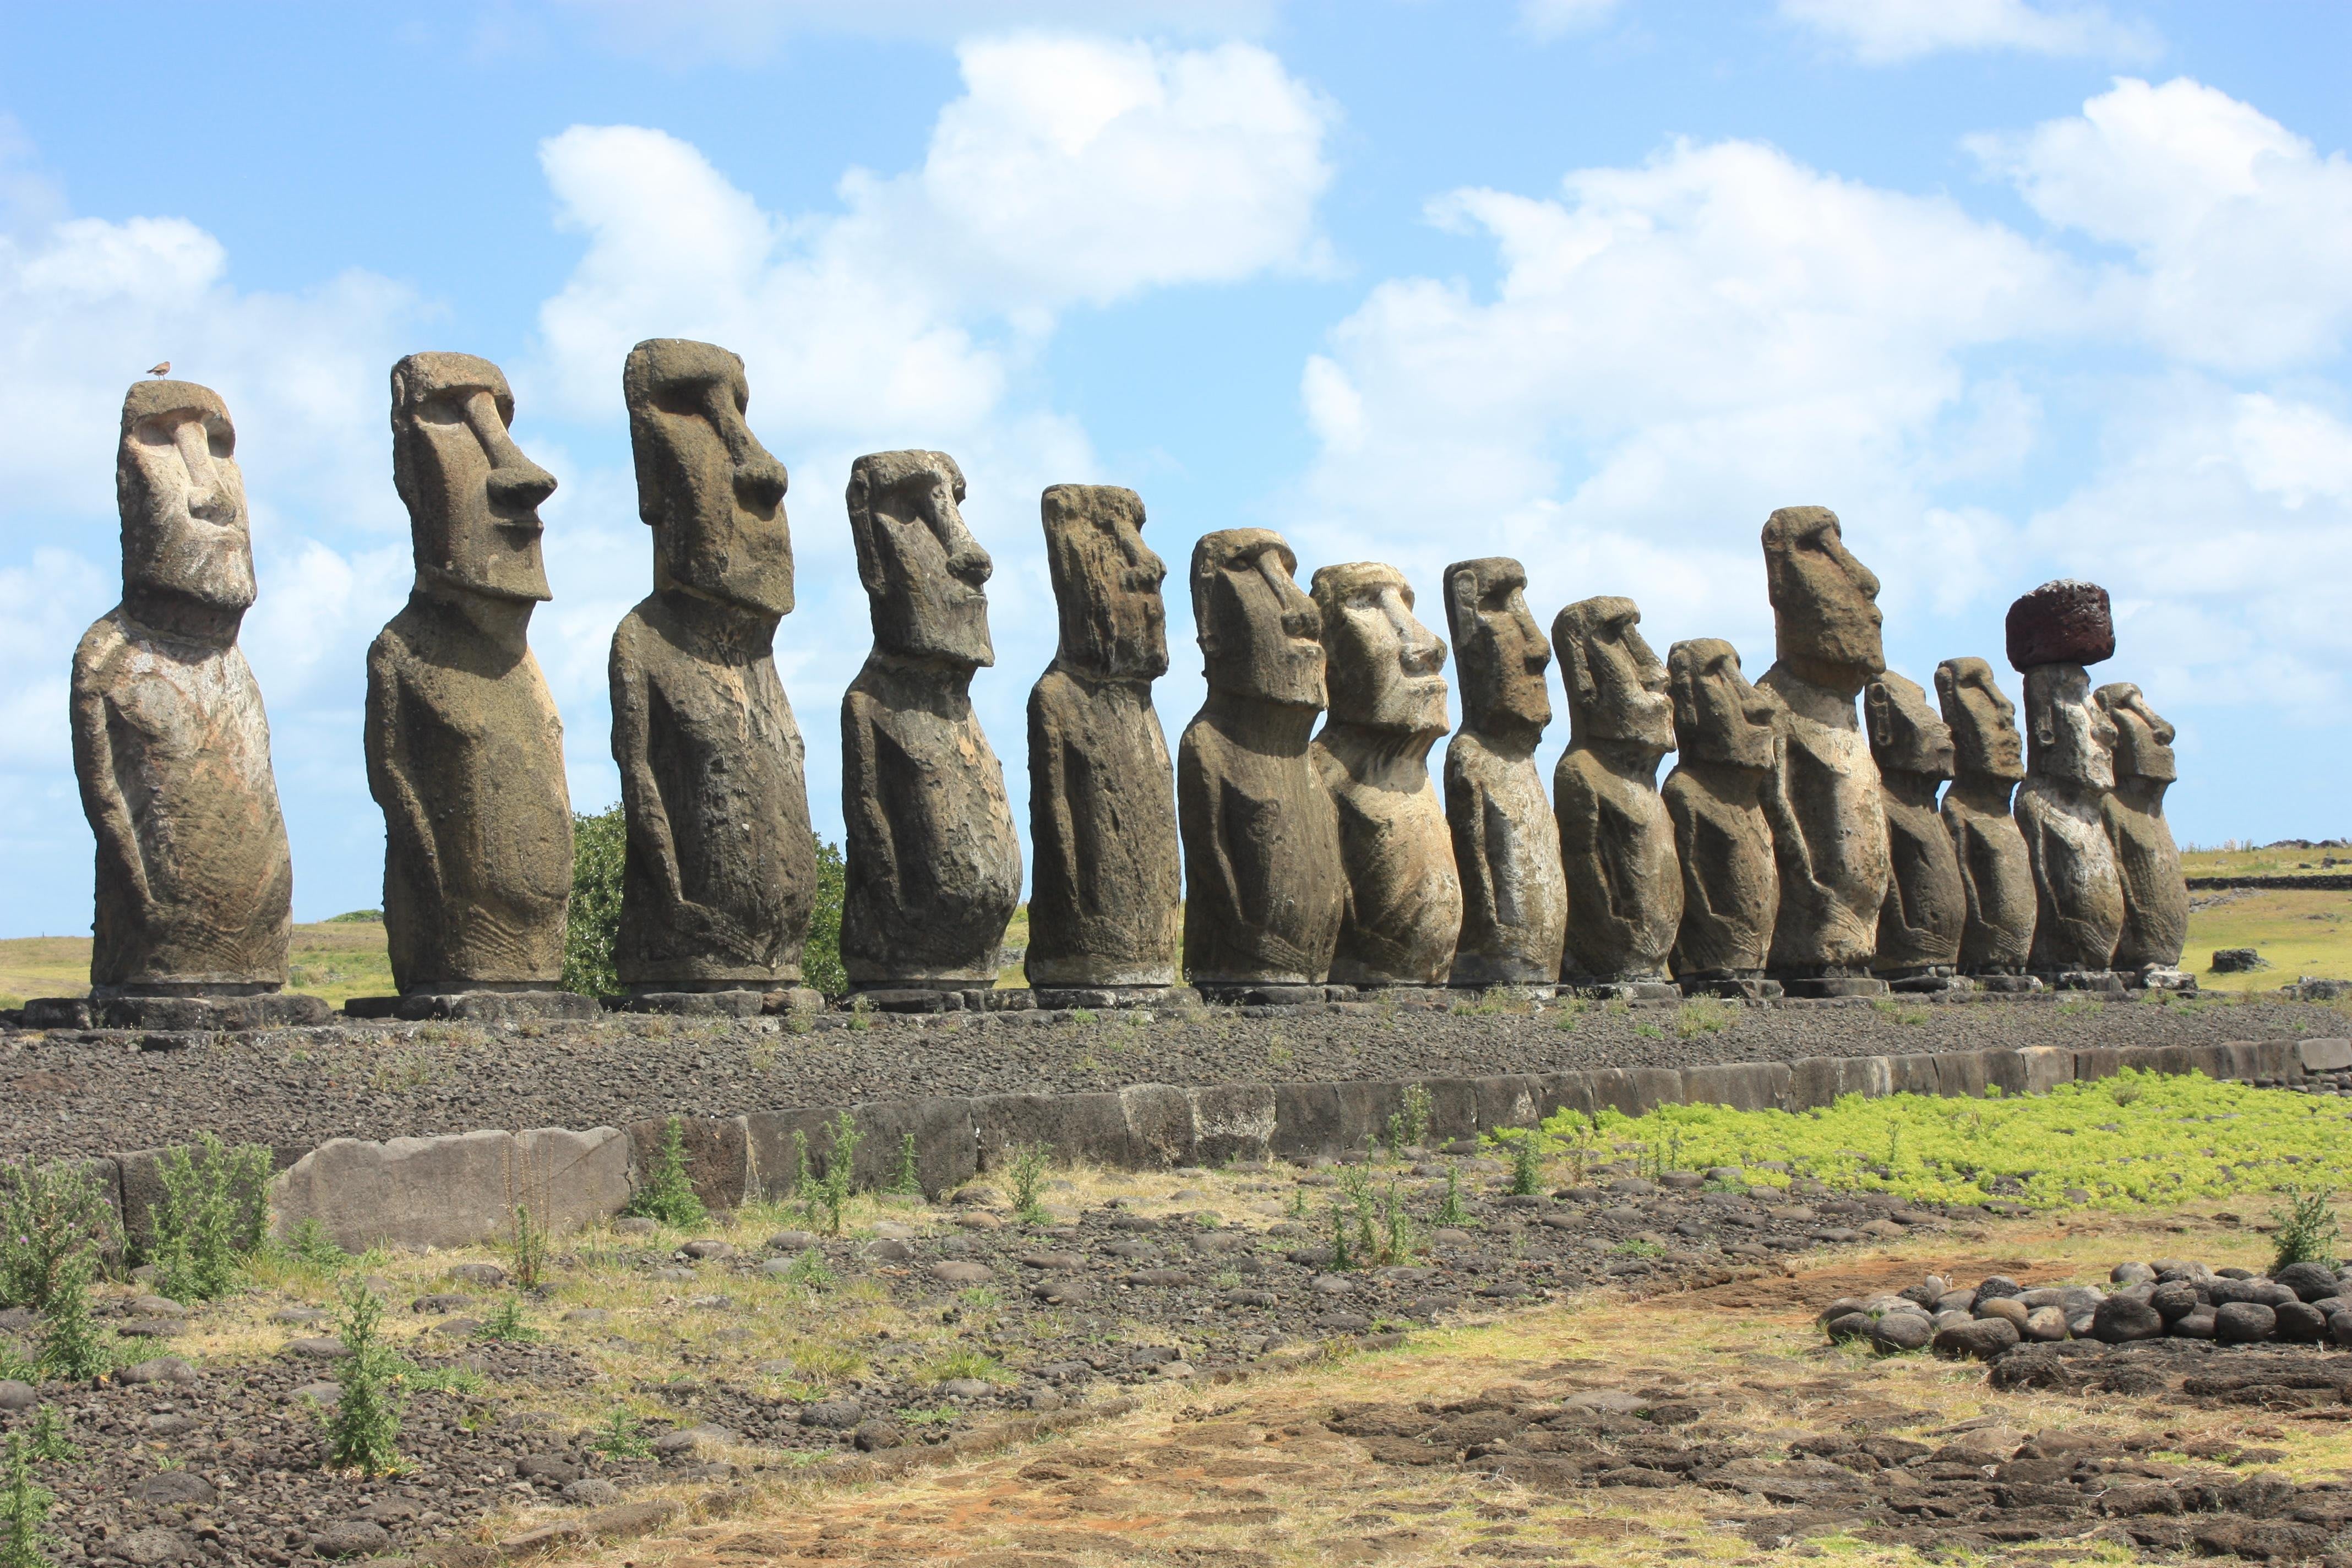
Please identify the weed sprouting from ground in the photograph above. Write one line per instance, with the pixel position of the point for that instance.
(1703, 1016)
(907, 1178)
(25, 1538)
(809, 1272)
(1527, 1148)
(1028, 1174)
(48, 1213)
(667, 1194)
(363, 1428)
(212, 1216)
(527, 1250)
(1409, 1126)
(1450, 1212)
(72, 1346)
(618, 1438)
(505, 1324)
(2306, 1227)
(831, 1190)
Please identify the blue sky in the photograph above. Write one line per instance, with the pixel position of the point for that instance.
(2021, 288)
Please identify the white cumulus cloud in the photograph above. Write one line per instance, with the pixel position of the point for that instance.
(2239, 230)
(1889, 32)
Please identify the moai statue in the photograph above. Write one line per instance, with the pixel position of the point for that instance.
(1505, 844)
(1404, 910)
(1109, 899)
(1828, 825)
(1616, 841)
(1995, 874)
(1723, 733)
(172, 748)
(1264, 888)
(1926, 908)
(720, 874)
(934, 864)
(465, 753)
(2054, 632)
(2156, 893)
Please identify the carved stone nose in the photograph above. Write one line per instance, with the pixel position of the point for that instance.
(521, 489)
(211, 503)
(760, 483)
(971, 562)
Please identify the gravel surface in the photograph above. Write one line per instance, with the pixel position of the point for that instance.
(90, 1092)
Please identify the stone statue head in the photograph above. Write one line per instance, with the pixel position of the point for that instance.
(1905, 735)
(1616, 687)
(1106, 582)
(1498, 649)
(711, 492)
(1260, 636)
(473, 497)
(2068, 735)
(2143, 737)
(926, 577)
(1825, 615)
(186, 535)
(1382, 663)
(1719, 717)
(1984, 721)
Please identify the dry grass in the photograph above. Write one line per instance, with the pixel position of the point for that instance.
(2300, 932)
(1249, 1475)
(334, 958)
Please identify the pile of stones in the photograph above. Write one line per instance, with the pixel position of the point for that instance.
(2300, 1303)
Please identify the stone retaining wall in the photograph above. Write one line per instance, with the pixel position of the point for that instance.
(2323, 881)
(462, 1189)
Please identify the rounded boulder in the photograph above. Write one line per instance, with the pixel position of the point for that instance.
(2244, 1322)
(1980, 1339)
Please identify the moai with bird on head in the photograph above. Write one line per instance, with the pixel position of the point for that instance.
(2054, 634)
(1404, 910)
(1927, 910)
(720, 874)
(1616, 840)
(464, 750)
(934, 862)
(171, 746)
(1264, 889)
(1505, 842)
(1725, 735)
(1106, 904)
(2156, 892)
(1996, 874)
(1829, 820)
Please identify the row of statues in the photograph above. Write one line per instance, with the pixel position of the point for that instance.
(1798, 845)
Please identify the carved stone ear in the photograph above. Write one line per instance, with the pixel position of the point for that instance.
(1878, 702)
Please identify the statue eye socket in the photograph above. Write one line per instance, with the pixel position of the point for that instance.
(450, 409)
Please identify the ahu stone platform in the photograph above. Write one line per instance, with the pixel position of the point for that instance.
(461, 1189)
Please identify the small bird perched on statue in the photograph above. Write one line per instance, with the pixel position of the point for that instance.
(162, 369)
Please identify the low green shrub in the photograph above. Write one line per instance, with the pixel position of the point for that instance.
(363, 1428)
(213, 1217)
(50, 1212)
(667, 1194)
(2137, 1138)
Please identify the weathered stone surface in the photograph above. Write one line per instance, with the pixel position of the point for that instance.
(1926, 908)
(465, 753)
(934, 864)
(453, 1191)
(1724, 730)
(721, 875)
(1107, 898)
(2155, 892)
(1404, 910)
(1829, 825)
(1616, 840)
(171, 746)
(1996, 875)
(1264, 888)
(2064, 622)
(2070, 767)
(1505, 842)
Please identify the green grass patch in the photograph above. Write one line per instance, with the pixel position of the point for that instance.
(2138, 1137)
